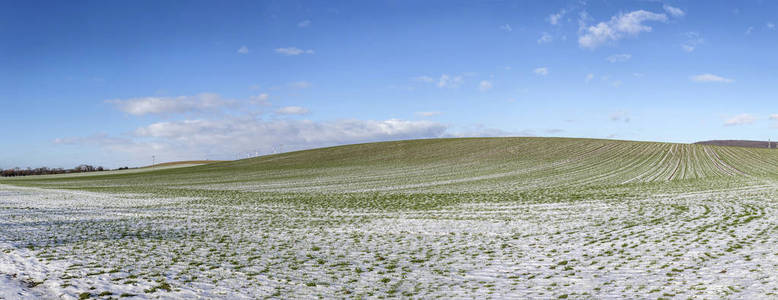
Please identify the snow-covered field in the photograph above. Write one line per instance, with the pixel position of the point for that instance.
(653, 221)
(63, 244)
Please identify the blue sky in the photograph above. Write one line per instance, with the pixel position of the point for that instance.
(112, 83)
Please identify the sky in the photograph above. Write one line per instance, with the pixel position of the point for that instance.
(114, 83)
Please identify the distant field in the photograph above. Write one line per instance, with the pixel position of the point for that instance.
(741, 143)
(450, 218)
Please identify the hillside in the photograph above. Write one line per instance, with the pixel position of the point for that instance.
(470, 165)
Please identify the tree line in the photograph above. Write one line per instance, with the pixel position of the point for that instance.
(47, 171)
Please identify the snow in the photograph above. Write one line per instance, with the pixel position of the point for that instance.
(61, 243)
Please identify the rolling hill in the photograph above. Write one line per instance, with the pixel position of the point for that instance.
(471, 165)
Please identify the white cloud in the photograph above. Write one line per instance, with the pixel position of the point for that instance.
(619, 26)
(770, 25)
(171, 105)
(618, 58)
(261, 99)
(749, 30)
(693, 39)
(484, 86)
(291, 51)
(707, 77)
(304, 131)
(428, 113)
(444, 81)
(589, 77)
(741, 119)
(545, 38)
(304, 23)
(243, 50)
(292, 110)
(774, 117)
(506, 27)
(674, 11)
(555, 18)
(448, 81)
(543, 71)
